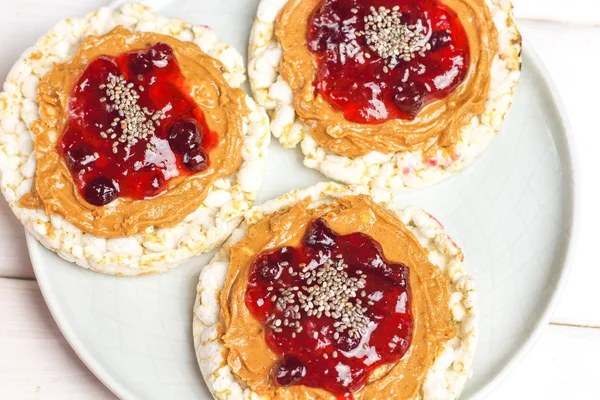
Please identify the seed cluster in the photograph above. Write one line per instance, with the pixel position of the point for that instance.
(325, 291)
(136, 123)
(392, 39)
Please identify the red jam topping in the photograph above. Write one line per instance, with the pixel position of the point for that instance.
(133, 127)
(386, 59)
(334, 309)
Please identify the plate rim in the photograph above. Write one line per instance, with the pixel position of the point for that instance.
(573, 230)
(517, 356)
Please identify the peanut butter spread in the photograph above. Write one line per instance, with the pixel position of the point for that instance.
(55, 191)
(247, 351)
(435, 127)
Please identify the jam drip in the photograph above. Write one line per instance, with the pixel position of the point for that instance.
(386, 59)
(133, 127)
(334, 309)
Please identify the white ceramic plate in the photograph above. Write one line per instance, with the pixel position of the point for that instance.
(512, 212)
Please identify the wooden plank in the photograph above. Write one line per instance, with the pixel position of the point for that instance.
(573, 11)
(546, 39)
(570, 53)
(551, 41)
(561, 366)
(14, 260)
(37, 362)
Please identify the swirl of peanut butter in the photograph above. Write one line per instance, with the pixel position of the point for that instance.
(55, 190)
(246, 350)
(435, 127)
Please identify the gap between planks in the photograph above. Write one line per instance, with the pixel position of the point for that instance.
(567, 325)
(565, 23)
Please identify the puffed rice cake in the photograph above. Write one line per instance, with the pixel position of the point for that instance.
(394, 172)
(154, 250)
(446, 377)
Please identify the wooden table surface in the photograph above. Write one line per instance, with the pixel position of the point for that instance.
(37, 363)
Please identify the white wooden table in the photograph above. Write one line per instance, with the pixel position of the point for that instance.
(37, 363)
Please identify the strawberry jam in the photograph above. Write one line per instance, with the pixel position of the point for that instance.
(386, 59)
(133, 127)
(334, 309)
